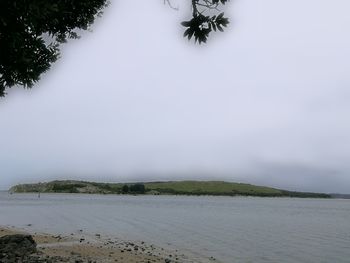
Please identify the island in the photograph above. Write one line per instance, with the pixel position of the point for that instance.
(214, 188)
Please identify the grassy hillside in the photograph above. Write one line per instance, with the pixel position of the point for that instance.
(175, 187)
(211, 188)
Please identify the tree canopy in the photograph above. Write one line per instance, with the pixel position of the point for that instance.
(30, 33)
(32, 30)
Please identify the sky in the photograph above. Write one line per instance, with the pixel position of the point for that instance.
(265, 102)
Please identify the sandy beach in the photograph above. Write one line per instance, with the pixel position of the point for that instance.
(79, 248)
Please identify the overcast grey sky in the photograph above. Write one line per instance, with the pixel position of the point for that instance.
(266, 102)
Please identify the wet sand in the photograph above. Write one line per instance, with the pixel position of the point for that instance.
(82, 248)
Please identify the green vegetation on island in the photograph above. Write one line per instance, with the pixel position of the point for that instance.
(218, 188)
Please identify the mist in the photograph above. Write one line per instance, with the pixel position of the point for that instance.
(266, 102)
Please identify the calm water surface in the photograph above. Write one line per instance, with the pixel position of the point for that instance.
(238, 229)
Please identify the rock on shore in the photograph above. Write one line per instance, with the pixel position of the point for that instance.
(17, 248)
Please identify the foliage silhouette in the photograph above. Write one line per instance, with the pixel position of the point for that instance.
(32, 30)
(200, 26)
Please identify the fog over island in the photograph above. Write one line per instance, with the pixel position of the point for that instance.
(266, 102)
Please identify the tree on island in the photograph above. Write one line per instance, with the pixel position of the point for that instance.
(32, 31)
(137, 188)
(125, 189)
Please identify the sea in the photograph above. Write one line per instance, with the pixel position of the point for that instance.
(229, 229)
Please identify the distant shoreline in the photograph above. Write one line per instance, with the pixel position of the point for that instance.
(192, 188)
